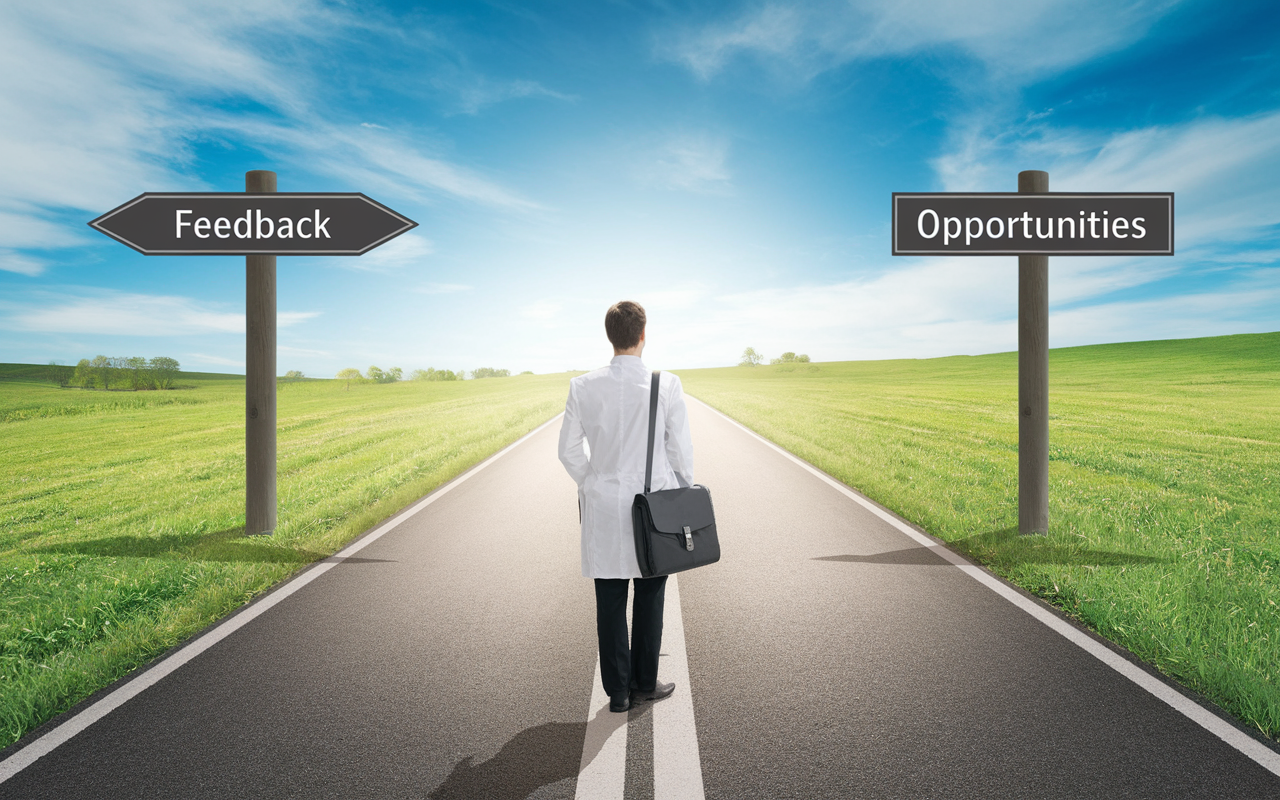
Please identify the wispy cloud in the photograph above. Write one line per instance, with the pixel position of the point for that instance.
(103, 101)
(1246, 305)
(447, 72)
(544, 311)
(301, 351)
(1014, 42)
(11, 261)
(406, 251)
(774, 30)
(285, 319)
(936, 307)
(222, 361)
(116, 97)
(25, 225)
(442, 288)
(696, 162)
(125, 314)
(369, 156)
(400, 165)
(477, 92)
(1221, 170)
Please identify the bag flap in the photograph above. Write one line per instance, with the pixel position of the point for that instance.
(672, 509)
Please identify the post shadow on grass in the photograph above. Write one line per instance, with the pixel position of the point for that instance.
(228, 546)
(1004, 546)
(533, 758)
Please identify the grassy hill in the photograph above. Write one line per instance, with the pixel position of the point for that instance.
(1164, 484)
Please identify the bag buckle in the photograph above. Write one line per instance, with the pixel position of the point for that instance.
(688, 538)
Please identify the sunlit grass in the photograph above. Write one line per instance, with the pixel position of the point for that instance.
(1164, 484)
(122, 513)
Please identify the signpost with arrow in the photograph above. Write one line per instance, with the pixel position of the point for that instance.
(1033, 224)
(258, 224)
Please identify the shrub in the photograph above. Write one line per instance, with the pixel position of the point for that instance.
(433, 374)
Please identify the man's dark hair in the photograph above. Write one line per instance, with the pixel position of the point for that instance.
(623, 323)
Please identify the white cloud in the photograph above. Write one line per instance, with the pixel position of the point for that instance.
(677, 300)
(398, 163)
(689, 162)
(367, 156)
(286, 319)
(1248, 305)
(1220, 170)
(406, 251)
(113, 95)
(477, 92)
(772, 30)
(119, 313)
(1258, 257)
(98, 106)
(11, 261)
(442, 288)
(939, 307)
(544, 311)
(285, 350)
(205, 358)
(23, 225)
(1015, 42)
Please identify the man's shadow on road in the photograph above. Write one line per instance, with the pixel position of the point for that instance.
(533, 758)
(1005, 547)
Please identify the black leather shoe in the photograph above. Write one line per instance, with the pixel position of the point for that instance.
(620, 702)
(656, 693)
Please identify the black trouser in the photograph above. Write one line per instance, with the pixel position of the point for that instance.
(634, 667)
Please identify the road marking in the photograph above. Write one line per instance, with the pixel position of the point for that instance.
(1266, 757)
(677, 767)
(603, 769)
(602, 772)
(64, 732)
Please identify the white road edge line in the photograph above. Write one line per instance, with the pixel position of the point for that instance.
(1260, 753)
(677, 765)
(60, 735)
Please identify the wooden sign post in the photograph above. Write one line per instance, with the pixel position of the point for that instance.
(260, 378)
(1032, 224)
(258, 224)
(1033, 378)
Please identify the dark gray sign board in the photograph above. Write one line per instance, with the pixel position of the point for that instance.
(1006, 224)
(1033, 224)
(239, 223)
(259, 224)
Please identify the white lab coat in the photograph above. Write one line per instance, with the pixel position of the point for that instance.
(609, 410)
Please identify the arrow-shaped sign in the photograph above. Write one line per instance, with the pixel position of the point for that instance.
(236, 223)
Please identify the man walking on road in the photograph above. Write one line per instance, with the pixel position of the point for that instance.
(608, 409)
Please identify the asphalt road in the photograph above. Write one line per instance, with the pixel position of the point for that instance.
(828, 655)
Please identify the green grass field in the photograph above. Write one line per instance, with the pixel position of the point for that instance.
(122, 513)
(1164, 484)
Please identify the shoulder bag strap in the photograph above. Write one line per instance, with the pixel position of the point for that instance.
(653, 421)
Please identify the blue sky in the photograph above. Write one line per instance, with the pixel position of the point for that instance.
(727, 165)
